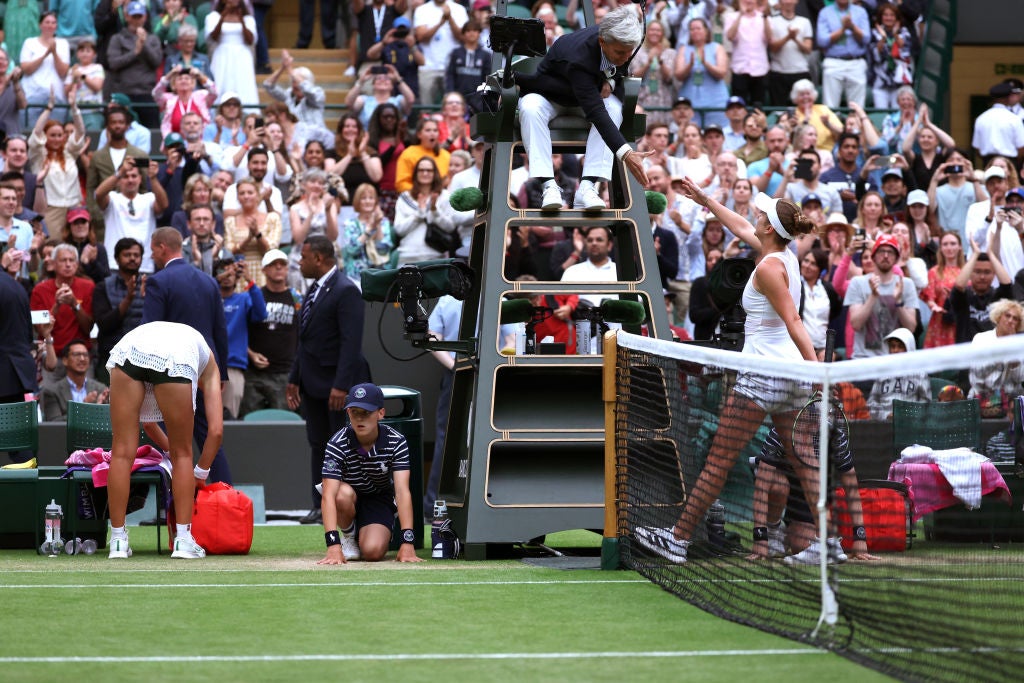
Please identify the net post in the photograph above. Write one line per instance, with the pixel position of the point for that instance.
(610, 558)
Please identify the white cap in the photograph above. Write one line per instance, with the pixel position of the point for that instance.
(274, 255)
(994, 172)
(917, 197)
(228, 95)
(905, 336)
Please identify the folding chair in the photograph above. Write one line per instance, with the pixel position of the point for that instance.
(89, 427)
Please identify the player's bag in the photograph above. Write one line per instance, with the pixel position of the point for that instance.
(887, 514)
(222, 520)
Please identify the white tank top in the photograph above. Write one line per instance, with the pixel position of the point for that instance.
(766, 333)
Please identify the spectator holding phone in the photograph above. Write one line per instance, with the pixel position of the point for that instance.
(188, 39)
(385, 79)
(801, 179)
(183, 98)
(127, 211)
(951, 200)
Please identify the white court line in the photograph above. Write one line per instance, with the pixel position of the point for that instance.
(405, 656)
(313, 584)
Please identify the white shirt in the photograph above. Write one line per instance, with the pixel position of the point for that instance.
(441, 44)
(816, 312)
(588, 272)
(231, 199)
(790, 59)
(463, 220)
(998, 131)
(139, 223)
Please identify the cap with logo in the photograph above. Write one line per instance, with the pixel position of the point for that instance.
(366, 396)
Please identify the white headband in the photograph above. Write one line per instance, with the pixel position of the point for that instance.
(768, 205)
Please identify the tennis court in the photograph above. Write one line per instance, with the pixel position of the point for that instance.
(274, 615)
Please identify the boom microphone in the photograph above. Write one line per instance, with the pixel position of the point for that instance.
(515, 311)
(623, 311)
(466, 199)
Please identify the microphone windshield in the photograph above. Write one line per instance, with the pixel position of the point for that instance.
(467, 199)
(656, 203)
(515, 311)
(621, 311)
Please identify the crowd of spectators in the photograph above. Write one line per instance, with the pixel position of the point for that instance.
(147, 114)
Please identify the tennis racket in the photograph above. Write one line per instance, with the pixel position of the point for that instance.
(806, 436)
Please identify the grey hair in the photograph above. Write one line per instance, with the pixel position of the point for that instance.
(803, 85)
(305, 74)
(622, 26)
(70, 248)
(314, 174)
(187, 30)
(906, 90)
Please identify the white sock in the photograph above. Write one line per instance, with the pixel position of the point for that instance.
(118, 532)
(184, 532)
(350, 530)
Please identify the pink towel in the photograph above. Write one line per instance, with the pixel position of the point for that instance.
(146, 456)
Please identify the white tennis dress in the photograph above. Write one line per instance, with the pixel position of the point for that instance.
(176, 349)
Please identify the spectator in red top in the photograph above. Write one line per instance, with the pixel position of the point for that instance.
(67, 297)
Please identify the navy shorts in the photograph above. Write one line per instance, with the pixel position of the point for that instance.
(375, 508)
(152, 376)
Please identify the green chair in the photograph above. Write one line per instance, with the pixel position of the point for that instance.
(89, 427)
(19, 489)
(941, 426)
(272, 415)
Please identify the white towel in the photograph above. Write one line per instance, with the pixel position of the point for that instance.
(960, 466)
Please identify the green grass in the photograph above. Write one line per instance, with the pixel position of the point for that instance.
(434, 621)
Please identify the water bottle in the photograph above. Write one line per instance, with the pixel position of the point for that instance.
(715, 522)
(80, 547)
(437, 528)
(53, 516)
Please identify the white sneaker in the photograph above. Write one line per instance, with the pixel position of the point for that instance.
(587, 197)
(350, 547)
(811, 555)
(661, 541)
(350, 72)
(777, 541)
(119, 549)
(187, 549)
(552, 200)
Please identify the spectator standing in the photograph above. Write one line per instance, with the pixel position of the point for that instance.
(260, 8)
(819, 116)
(766, 173)
(231, 33)
(981, 216)
(973, 293)
(202, 247)
(305, 99)
(357, 162)
(21, 22)
(79, 233)
(167, 27)
(427, 134)
(750, 33)
(953, 198)
(437, 26)
(897, 125)
(401, 50)
(185, 52)
(375, 20)
(251, 232)
(67, 297)
(914, 387)
(108, 159)
(941, 280)
(44, 62)
(272, 341)
(137, 134)
(387, 136)
(844, 32)
(241, 308)
(316, 212)
(117, 300)
(74, 386)
(366, 238)
(880, 302)
(383, 92)
(934, 145)
(701, 67)
(418, 208)
(789, 49)
(996, 386)
(654, 63)
(133, 57)
(226, 129)
(891, 60)
(127, 211)
(53, 158)
(87, 77)
(328, 20)
(329, 360)
(468, 66)
(176, 95)
(12, 96)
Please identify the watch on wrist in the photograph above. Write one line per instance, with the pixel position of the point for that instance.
(859, 533)
(408, 536)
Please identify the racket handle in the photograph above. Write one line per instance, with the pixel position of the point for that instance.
(830, 345)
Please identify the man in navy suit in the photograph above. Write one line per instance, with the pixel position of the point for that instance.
(181, 293)
(330, 355)
(17, 368)
(585, 69)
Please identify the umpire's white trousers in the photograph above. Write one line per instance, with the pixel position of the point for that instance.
(535, 114)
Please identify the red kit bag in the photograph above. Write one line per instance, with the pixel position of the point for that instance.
(886, 508)
(222, 520)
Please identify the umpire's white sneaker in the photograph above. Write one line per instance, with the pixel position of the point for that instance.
(552, 199)
(187, 549)
(587, 197)
(662, 541)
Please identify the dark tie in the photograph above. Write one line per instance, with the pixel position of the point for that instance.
(307, 305)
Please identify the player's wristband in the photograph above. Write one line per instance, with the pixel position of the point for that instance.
(760, 533)
(860, 533)
(332, 538)
(199, 473)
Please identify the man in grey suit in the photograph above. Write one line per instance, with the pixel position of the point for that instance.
(74, 386)
(330, 358)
